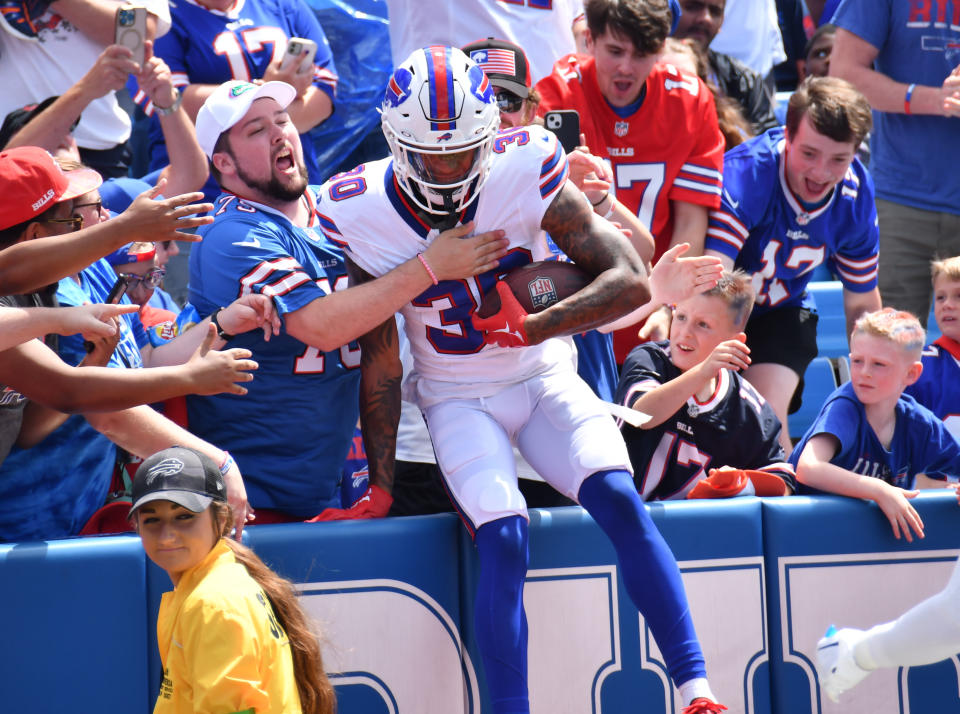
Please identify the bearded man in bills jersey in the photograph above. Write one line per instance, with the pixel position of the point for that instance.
(485, 384)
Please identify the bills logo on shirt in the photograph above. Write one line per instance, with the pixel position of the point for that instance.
(542, 293)
(621, 128)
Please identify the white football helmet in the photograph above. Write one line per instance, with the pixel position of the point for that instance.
(440, 118)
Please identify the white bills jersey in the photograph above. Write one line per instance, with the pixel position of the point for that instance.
(365, 212)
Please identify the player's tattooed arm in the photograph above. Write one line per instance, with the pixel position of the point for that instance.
(596, 246)
(380, 376)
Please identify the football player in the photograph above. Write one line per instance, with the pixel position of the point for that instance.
(485, 384)
(294, 431)
(794, 198)
(693, 389)
(657, 127)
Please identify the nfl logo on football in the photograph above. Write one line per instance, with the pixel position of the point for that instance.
(621, 128)
(542, 293)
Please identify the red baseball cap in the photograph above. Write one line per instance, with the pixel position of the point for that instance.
(31, 182)
(725, 483)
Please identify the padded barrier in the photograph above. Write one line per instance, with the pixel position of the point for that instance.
(394, 598)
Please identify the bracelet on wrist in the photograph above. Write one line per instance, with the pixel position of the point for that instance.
(177, 101)
(907, 98)
(426, 266)
(227, 464)
(221, 333)
(604, 197)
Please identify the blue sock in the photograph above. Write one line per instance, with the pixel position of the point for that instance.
(500, 621)
(648, 568)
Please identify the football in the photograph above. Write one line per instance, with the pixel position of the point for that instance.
(538, 285)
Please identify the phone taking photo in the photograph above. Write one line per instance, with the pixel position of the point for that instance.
(295, 48)
(130, 30)
(565, 123)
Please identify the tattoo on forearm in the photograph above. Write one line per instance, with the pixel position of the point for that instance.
(597, 247)
(380, 400)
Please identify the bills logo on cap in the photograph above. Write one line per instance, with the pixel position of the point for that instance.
(398, 88)
(495, 60)
(621, 128)
(543, 293)
(43, 200)
(167, 467)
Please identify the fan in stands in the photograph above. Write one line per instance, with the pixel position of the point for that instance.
(537, 286)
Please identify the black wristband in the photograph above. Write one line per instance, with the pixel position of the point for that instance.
(604, 198)
(225, 336)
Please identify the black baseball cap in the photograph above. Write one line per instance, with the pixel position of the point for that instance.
(19, 118)
(184, 476)
(504, 63)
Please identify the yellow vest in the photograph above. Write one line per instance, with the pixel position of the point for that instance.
(221, 646)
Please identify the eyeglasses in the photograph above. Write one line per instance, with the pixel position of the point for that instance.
(152, 279)
(508, 101)
(96, 205)
(76, 222)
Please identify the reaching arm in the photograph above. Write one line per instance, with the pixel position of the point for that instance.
(188, 168)
(855, 304)
(30, 265)
(620, 282)
(814, 469)
(689, 225)
(19, 324)
(343, 316)
(143, 432)
(34, 370)
(852, 59)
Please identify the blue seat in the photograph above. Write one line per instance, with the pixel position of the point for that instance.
(832, 323)
(819, 381)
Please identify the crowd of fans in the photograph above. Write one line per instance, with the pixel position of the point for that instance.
(680, 144)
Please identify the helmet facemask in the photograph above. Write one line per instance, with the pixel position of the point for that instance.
(440, 119)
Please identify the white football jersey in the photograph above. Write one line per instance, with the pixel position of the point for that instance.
(365, 212)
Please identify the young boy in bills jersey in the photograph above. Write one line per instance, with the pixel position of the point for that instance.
(656, 126)
(792, 200)
(870, 439)
(938, 388)
(485, 384)
(704, 414)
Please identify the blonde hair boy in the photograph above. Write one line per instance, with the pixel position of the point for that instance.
(870, 439)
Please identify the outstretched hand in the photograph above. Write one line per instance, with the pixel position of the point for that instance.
(729, 354)
(506, 326)
(216, 372)
(91, 321)
(675, 278)
(154, 221)
(453, 255)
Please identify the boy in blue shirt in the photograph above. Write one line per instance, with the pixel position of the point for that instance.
(870, 439)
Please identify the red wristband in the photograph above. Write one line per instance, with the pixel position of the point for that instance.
(426, 266)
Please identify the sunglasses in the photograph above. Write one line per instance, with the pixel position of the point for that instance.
(152, 279)
(96, 205)
(508, 101)
(76, 222)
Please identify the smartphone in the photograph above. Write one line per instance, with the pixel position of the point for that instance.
(565, 123)
(117, 291)
(130, 30)
(295, 47)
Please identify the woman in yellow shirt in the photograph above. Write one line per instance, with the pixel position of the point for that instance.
(232, 635)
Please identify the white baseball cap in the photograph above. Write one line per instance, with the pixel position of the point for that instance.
(228, 104)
